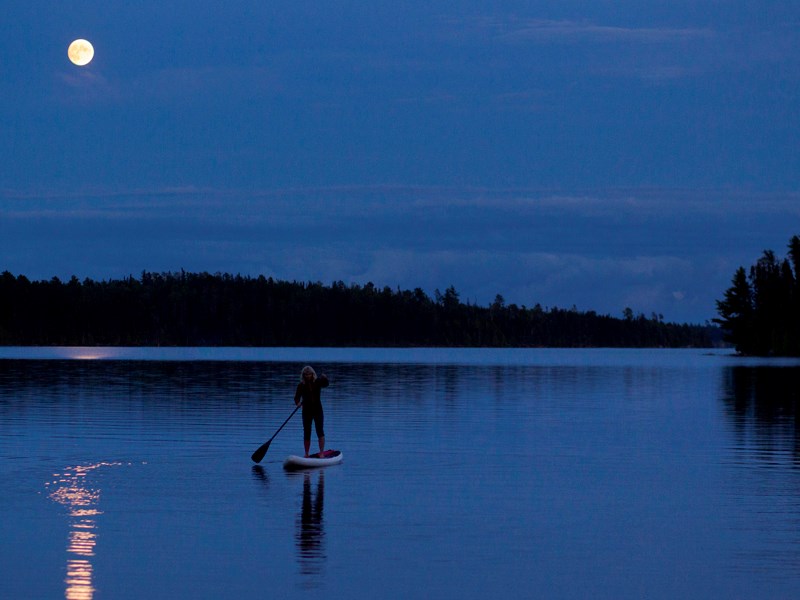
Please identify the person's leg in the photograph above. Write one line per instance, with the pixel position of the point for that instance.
(307, 418)
(318, 423)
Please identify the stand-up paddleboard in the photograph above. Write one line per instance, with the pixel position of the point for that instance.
(327, 458)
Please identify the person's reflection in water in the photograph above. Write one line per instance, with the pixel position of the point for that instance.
(311, 533)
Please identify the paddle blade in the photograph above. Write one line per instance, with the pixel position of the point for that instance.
(258, 455)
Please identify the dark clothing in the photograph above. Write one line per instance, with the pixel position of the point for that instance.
(310, 393)
(319, 421)
(312, 405)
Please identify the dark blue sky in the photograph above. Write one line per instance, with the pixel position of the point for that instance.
(601, 154)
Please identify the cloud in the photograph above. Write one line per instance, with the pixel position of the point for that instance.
(186, 85)
(437, 206)
(548, 31)
(665, 251)
(653, 53)
(526, 278)
(513, 29)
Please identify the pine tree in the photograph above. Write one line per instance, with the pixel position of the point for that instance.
(736, 312)
(760, 313)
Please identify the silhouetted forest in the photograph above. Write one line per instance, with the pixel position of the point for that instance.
(760, 313)
(200, 309)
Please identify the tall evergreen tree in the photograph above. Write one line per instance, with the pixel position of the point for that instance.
(794, 300)
(736, 312)
(760, 313)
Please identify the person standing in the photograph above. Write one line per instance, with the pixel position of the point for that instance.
(309, 394)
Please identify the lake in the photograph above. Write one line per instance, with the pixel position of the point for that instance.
(467, 473)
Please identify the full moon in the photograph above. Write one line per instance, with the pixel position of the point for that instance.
(80, 52)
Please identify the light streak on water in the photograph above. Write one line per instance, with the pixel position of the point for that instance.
(72, 490)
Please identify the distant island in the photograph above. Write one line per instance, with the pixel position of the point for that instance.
(202, 309)
(760, 313)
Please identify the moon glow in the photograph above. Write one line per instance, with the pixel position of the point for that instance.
(80, 52)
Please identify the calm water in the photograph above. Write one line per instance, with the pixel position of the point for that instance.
(467, 474)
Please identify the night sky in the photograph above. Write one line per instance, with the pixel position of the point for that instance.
(597, 154)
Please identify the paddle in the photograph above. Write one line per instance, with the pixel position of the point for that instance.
(259, 454)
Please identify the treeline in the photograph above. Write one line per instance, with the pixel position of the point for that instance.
(760, 312)
(200, 309)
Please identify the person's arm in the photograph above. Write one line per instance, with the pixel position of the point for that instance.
(323, 381)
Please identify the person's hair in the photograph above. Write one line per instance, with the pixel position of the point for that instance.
(305, 370)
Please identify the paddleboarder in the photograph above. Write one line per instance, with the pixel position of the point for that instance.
(308, 393)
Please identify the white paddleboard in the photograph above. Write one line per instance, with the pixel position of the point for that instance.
(315, 461)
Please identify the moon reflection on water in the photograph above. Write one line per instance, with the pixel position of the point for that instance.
(71, 489)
